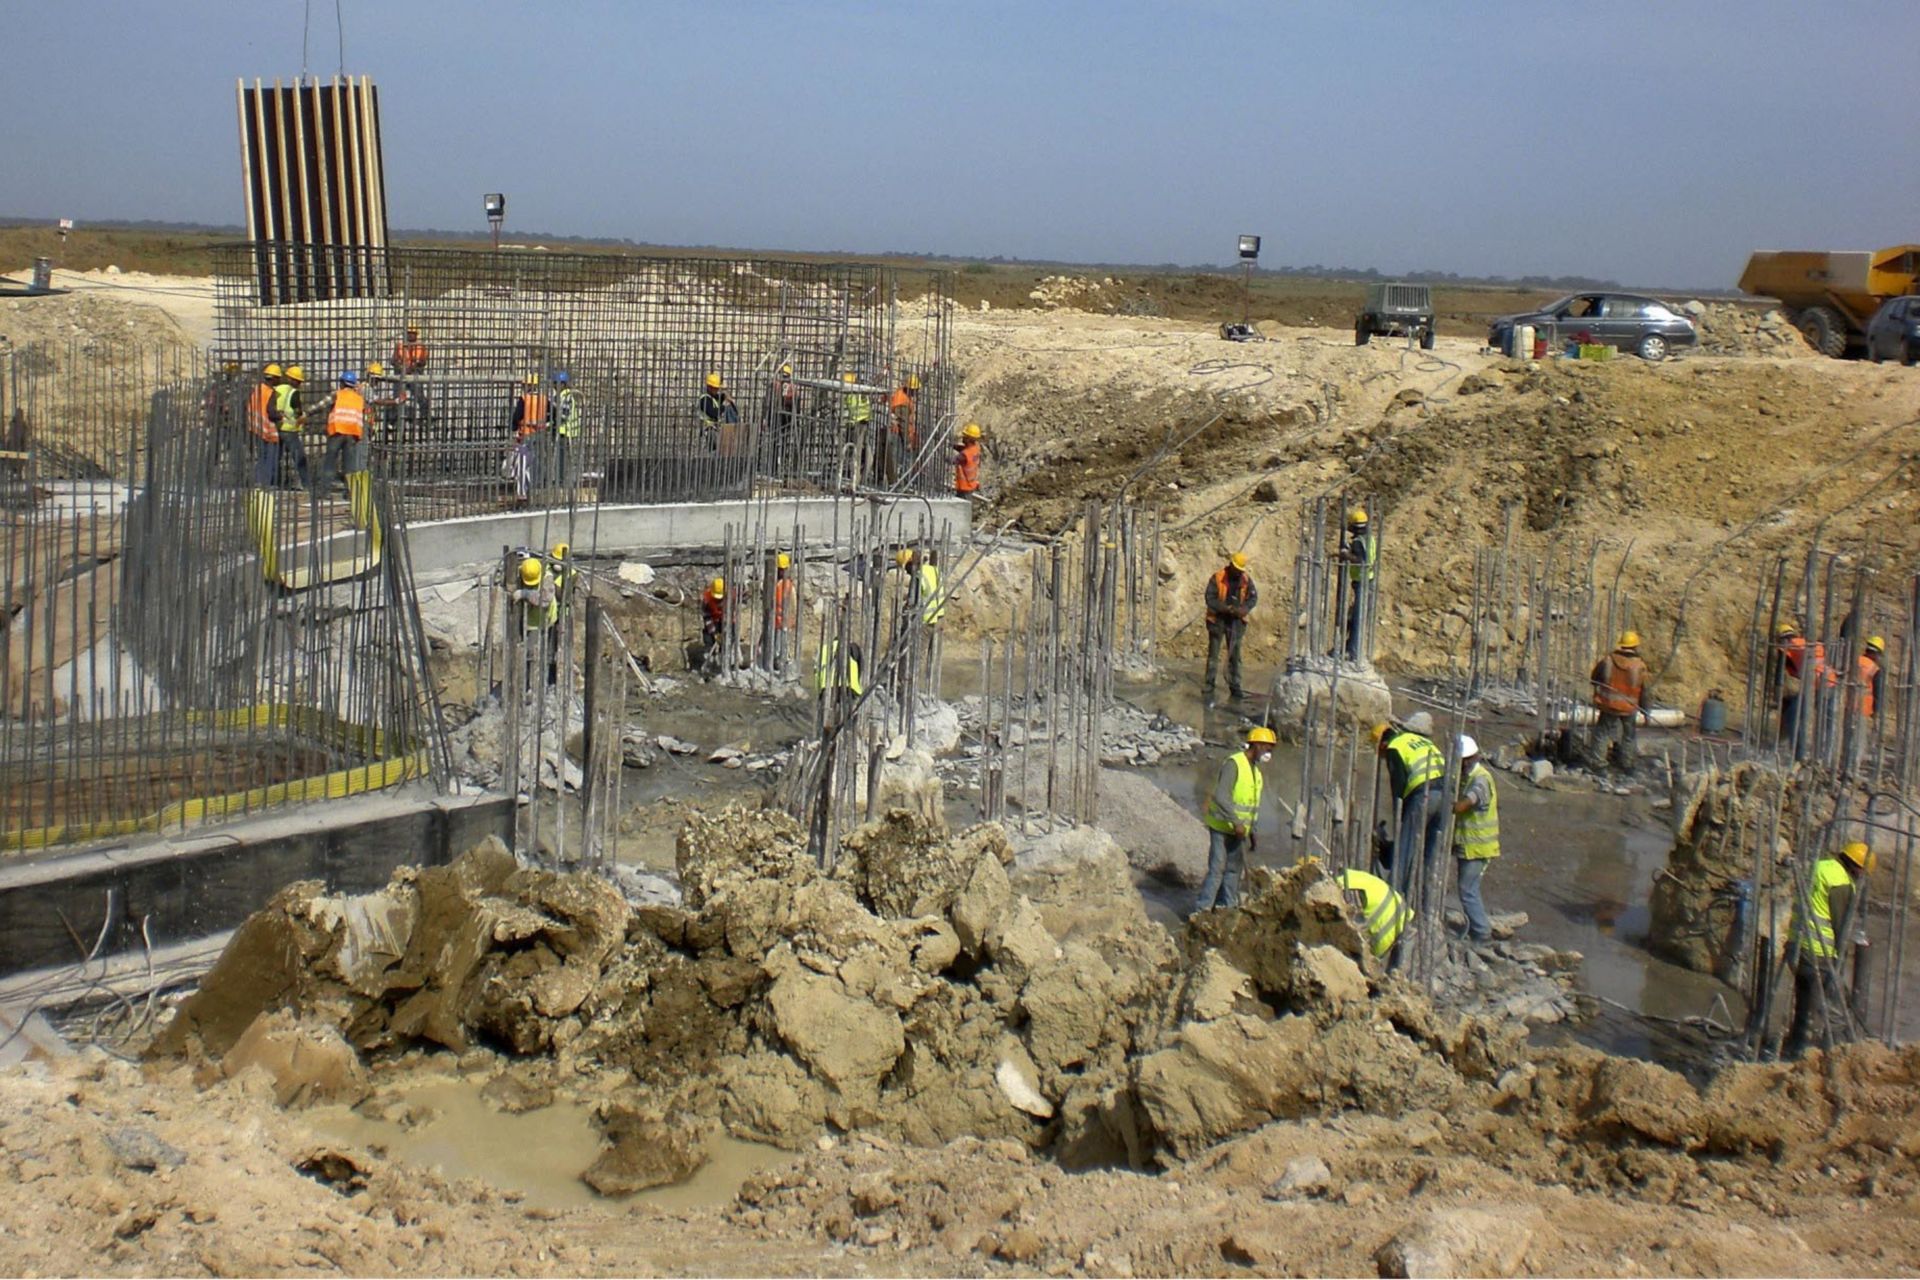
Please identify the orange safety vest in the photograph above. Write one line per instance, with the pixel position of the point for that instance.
(411, 357)
(1795, 651)
(714, 606)
(1619, 693)
(901, 405)
(1220, 581)
(1869, 668)
(533, 414)
(259, 419)
(782, 602)
(348, 416)
(966, 468)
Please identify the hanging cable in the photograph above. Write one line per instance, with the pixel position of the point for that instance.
(340, 29)
(306, 29)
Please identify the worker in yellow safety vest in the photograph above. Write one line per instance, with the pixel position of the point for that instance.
(1416, 774)
(1361, 555)
(1383, 913)
(1233, 807)
(829, 671)
(1824, 908)
(289, 420)
(1476, 836)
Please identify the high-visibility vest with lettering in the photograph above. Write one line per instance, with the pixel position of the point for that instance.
(1245, 806)
(1363, 569)
(349, 413)
(566, 413)
(826, 671)
(1618, 693)
(966, 468)
(1813, 921)
(933, 605)
(859, 408)
(286, 408)
(1423, 760)
(1384, 913)
(259, 413)
(1476, 833)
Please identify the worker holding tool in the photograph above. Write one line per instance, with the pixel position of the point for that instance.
(923, 596)
(1361, 555)
(561, 575)
(857, 411)
(410, 362)
(289, 419)
(1231, 596)
(1233, 807)
(1620, 702)
(1416, 773)
(1867, 694)
(1824, 909)
(1476, 836)
(1383, 912)
(346, 419)
(718, 416)
(966, 462)
(783, 410)
(263, 428)
(385, 396)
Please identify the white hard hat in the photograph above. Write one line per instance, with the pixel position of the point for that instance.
(1468, 747)
(1421, 723)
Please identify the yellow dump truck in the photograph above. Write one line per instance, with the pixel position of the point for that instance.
(1831, 296)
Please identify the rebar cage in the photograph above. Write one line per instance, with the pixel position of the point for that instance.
(828, 381)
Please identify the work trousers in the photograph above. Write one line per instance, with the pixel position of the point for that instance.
(293, 451)
(563, 461)
(1423, 820)
(417, 408)
(1816, 995)
(1789, 719)
(1614, 738)
(266, 462)
(344, 454)
(1226, 862)
(1479, 928)
(1356, 619)
(1228, 632)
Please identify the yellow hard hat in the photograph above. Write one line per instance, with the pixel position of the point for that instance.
(1786, 629)
(783, 561)
(971, 431)
(531, 571)
(713, 381)
(1629, 639)
(532, 379)
(273, 371)
(1859, 855)
(1238, 559)
(1876, 644)
(718, 588)
(786, 368)
(1380, 731)
(376, 370)
(1357, 516)
(560, 550)
(903, 557)
(913, 382)
(848, 377)
(1262, 735)
(413, 329)
(296, 373)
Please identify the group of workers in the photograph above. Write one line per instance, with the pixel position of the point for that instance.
(279, 421)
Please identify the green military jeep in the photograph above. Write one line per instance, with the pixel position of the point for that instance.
(1396, 310)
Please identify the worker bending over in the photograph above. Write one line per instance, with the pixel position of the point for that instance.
(903, 429)
(1383, 912)
(1233, 807)
(1476, 836)
(534, 603)
(713, 623)
(1619, 703)
(1791, 655)
(1231, 596)
(1823, 911)
(1416, 772)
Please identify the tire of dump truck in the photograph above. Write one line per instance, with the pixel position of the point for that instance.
(1824, 330)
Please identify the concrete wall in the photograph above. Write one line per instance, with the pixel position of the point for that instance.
(685, 528)
(207, 881)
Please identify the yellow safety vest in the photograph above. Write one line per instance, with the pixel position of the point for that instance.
(859, 409)
(1247, 786)
(285, 412)
(1424, 762)
(1363, 570)
(1385, 912)
(1813, 923)
(1476, 833)
(933, 606)
(566, 413)
(825, 674)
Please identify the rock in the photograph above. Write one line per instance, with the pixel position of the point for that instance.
(1460, 1242)
(1214, 989)
(676, 746)
(645, 1148)
(514, 1094)
(1019, 941)
(1324, 976)
(308, 1062)
(730, 755)
(1160, 837)
(848, 1042)
(904, 866)
(1017, 1079)
(1502, 924)
(1302, 1176)
(636, 572)
(1632, 1099)
(1538, 771)
(1079, 879)
(142, 1150)
(981, 903)
(936, 727)
(1360, 694)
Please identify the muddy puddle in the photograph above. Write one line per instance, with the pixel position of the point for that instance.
(538, 1155)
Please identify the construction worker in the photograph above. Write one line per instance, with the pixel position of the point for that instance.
(1232, 810)
(566, 426)
(561, 574)
(531, 415)
(385, 396)
(858, 416)
(289, 419)
(346, 419)
(1790, 653)
(830, 672)
(1820, 915)
(1620, 702)
(410, 363)
(713, 621)
(903, 430)
(1383, 912)
(966, 461)
(785, 615)
(719, 417)
(783, 409)
(1416, 773)
(924, 597)
(227, 407)
(534, 601)
(1361, 555)
(262, 427)
(1476, 836)
(1231, 596)
(1866, 695)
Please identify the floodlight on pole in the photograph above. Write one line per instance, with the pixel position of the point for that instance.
(1249, 253)
(496, 213)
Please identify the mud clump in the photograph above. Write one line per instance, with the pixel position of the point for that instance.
(1695, 905)
(645, 1148)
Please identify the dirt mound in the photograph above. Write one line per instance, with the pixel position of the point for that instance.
(1697, 905)
(1736, 329)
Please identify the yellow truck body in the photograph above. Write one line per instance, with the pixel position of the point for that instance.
(1830, 296)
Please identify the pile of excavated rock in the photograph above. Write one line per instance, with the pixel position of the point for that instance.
(1128, 734)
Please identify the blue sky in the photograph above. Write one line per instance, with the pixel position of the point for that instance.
(1650, 143)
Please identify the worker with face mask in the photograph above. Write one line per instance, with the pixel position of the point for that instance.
(1233, 807)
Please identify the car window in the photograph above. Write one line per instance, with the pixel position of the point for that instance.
(1658, 311)
(1625, 308)
(1581, 308)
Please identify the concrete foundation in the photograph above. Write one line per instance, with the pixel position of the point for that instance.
(54, 906)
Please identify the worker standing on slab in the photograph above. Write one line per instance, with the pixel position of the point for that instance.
(783, 410)
(1476, 836)
(785, 614)
(1823, 910)
(385, 396)
(1231, 596)
(410, 357)
(857, 411)
(966, 462)
(1383, 912)
(903, 429)
(289, 419)
(1360, 553)
(346, 418)
(1620, 702)
(1417, 773)
(531, 412)
(263, 428)
(566, 426)
(718, 416)
(1233, 807)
